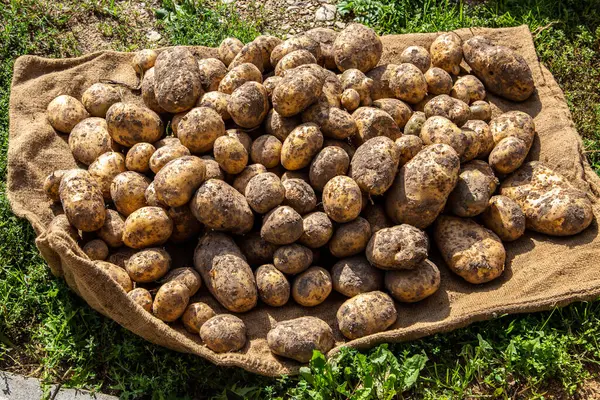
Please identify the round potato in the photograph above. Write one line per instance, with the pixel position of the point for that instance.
(266, 150)
(129, 124)
(199, 129)
(292, 259)
(128, 190)
(447, 53)
(239, 75)
(299, 195)
(241, 180)
(333, 122)
(410, 286)
(282, 225)
(98, 98)
(408, 83)
(438, 81)
(415, 124)
(468, 89)
(185, 275)
(312, 287)
(64, 112)
(443, 105)
(166, 154)
(326, 37)
(298, 338)
(342, 199)
(256, 250)
(513, 123)
(273, 286)
(230, 154)
(82, 200)
(350, 238)
(146, 227)
(440, 130)
(248, 105)
(177, 83)
(96, 250)
(300, 42)
(330, 162)
(212, 71)
(148, 265)
(148, 93)
(170, 301)
(52, 184)
(476, 184)
(228, 49)
(279, 126)
(185, 225)
(112, 230)
(264, 192)
(318, 230)
(213, 170)
(138, 157)
(251, 53)
(505, 218)
(143, 60)
(217, 101)
(105, 169)
(296, 92)
(357, 46)
(508, 155)
(481, 110)
(372, 122)
(418, 56)
(375, 164)
(195, 315)
(399, 247)
(300, 146)
(266, 44)
(224, 333)
(408, 147)
(293, 60)
(366, 314)
(176, 182)
(115, 273)
(350, 100)
(141, 297)
(354, 275)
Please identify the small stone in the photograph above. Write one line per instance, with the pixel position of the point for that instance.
(340, 25)
(153, 36)
(325, 13)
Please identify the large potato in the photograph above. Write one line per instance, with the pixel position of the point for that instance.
(185, 275)
(256, 250)
(438, 129)
(248, 105)
(399, 247)
(185, 225)
(334, 122)
(238, 76)
(408, 147)
(128, 191)
(138, 157)
(64, 112)
(513, 123)
(476, 184)
(282, 225)
(318, 230)
(410, 286)
(212, 71)
(195, 315)
(438, 81)
(82, 200)
(550, 203)
(372, 122)
(357, 46)
(218, 101)
(166, 154)
(231, 154)
(177, 81)
(408, 83)
(129, 124)
(298, 338)
(176, 182)
(98, 98)
(330, 162)
(142, 297)
(299, 195)
(199, 129)
(366, 314)
(471, 251)
(89, 139)
(342, 199)
(116, 273)
(312, 287)
(52, 184)
(146, 227)
(104, 170)
(292, 259)
(241, 180)
(170, 301)
(224, 333)
(264, 192)
(445, 106)
(297, 90)
(273, 286)
(326, 37)
(375, 164)
(505, 218)
(112, 230)
(148, 265)
(355, 275)
(228, 49)
(447, 52)
(350, 238)
(300, 146)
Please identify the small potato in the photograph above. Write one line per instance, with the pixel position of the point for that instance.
(185, 275)
(213, 170)
(481, 110)
(266, 44)
(185, 225)
(483, 137)
(333, 122)
(217, 101)
(399, 247)
(372, 122)
(148, 265)
(152, 198)
(120, 257)
(447, 52)
(176, 182)
(248, 105)
(438, 129)
(357, 46)
(330, 162)
(241, 180)
(505, 218)
(408, 146)
(116, 273)
(167, 141)
(342, 199)
(476, 184)
(177, 119)
(251, 53)
(195, 315)
(228, 49)
(177, 82)
(445, 106)
(354, 275)
(143, 60)
(355, 79)
(293, 60)
(282, 225)
(271, 83)
(82, 200)
(397, 109)
(105, 169)
(170, 301)
(98, 98)
(279, 126)
(230, 154)
(408, 83)
(52, 184)
(224, 333)
(468, 89)
(375, 164)
(410, 286)
(318, 229)
(239, 75)
(242, 136)
(220, 207)
(292, 259)
(312, 287)
(146, 227)
(508, 155)
(166, 154)
(129, 124)
(438, 81)
(199, 129)
(256, 250)
(273, 286)
(350, 238)
(300, 42)
(141, 297)
(148, 93)
(298, 338)
(64, 112)
(418, 56)
(366, 314)
(377, 218)
(264, 192)
(128, 191)
(96, 249)
(266, 150)
(350, 100)
(212, 71)
(112, 230)
(415, 124)
(299, 195)
(138, 157)
(296, 92)
(300, 146)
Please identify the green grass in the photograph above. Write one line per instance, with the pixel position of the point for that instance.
(47, 331)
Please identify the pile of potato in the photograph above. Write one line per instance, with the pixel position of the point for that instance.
(304, 167)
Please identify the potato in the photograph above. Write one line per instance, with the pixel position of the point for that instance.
(293, 60)
(299, 196)
(366, 314)
(398, 247)
(508, 155)
(105, 169)
(195, 315)
(476, 184)
(166, 154)
(342, 199)
(230, 154)
(170, 301)
(185, 275)
(355, 79)
(251, 53)
(224, 333)
(129, 124)
(350, 100)
(282, 225)
(445, 106)
(226, 273)
(112, 230)
(357, 46)
(242, 179)
(115, 273)
(127, 191)
(372, 122)
(296, 92)
(148, 265)
(120, 257)
(213, 170)
(239, 75)
(350, 238)
(298, 338)
(447, 52)
(146, 227)
(342, 144)
(354, 275)
(300, 42)
(418, 56)
(415, 124)
(408, 83)
(64, 112)
(483, 136)
(481, 110)
(266, 44)
(152, 198)
(98, 98)
(217, 101)
(82, 200)
(138, 157)
(212, 71)
(397, 109)
(199, 129)
(143, 60)
(273, 286)
(333, 122)
(408, 147)
(412, 285)
(220, 207)
(168, 141)
(248, 105)
(177, 82)
(380, 77)
(256, 250)
(177, 181)
(513, 123)
(292, 259)
(264, 192)
(438, 129)
(468, 89)
(318, 229)
(185, 225)
(52, 184)
(375, 214)
(279, 126)
(228, 49)
(503, 71)
(300, 146)
(326, 38)
(311, 287)
(141, 297)
(148, 93)
(505, 218)
(96, 249)
(375, 164)
(422, 186)
(266, 150)
(438, 81)
(271, 83)
(330, 162)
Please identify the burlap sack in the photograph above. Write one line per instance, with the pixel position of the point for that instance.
(541, 271)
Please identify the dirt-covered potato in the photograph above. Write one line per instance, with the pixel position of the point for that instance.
(148, 93)
(152, 198)
(248, 105)
(342, 199)
(422, 186)
(224, 333)
(116, 273)
(483, 136)
(408, 146)
(311, 287)
(513, 123)
(372, 122)
(148, 265)
(357, 80)
(256, 250)
(279, 126)
(228, 49)
(300, 42)
(438, 129)
(397, 109)
(447, 52)
(503, 71)
(445, 106)
(267, 43)
(266, 150)
(251, 53)
(226, 273)
(350, 238)
(298, 338)
(264, 192)
(120, 257)
(350, 100)
(129, 124)
(195, 315)
(282, 225)
(185, 225)
(96, 249)
(271, 83)
(170, 301)
(481, 110)
(375, 164)
(366, 314)
(242, 179)
(508, 155)
(199, 129)
(52, 184)
(357, 46)
(141, 297)
(326, 37)
(408, 83)
(146, 227)
(111, 231)
(415, 124)
(293, 60)
(64, 112)
(212, 71)
(230, 154)
(550, 203)
(273, 286)
(185, 275)
(169, 140)
(410, 286)
(218, 101)
(177, 181)
(292, 259)
(438, 81)
(299, 195)
(128, 190)
(380, 77)
(82, 200)
(505, 218)
(177, 83)
(166, 154)
(354, 275)
(476, 184)
(468, 89)
(330, 162)
(318, 230)
(213, 170)
(333, 122)
(104, 170)
(98, 98)
(418, 56)
(221, 207)
(296, 92)
(143, 60)
(138, 157)
(300, 146)
(239, 75)
(399, 247)
(377, 218)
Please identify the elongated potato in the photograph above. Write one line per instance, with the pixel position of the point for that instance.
(177, 81)
(239, 75)
(282, 225)
(228, 49)
(199, 129)
(266, 150)
(224, 333)
(408, 83)
(148, 265)
(82, 200)
(195, 315)
(129, 124)
(298, 338)
(248, 105)
(299, 195)
(300, 146)
(296, 92)
(375, 164)
(399, 247)
(89, 139)
(146, 227)
(104, 170)
(372, 122)
(318, 230)
(264, 192)
(266, 44)
(64, 112)
(212, 71)
(333, 122)
(170, 301)
(116, 273)
(293, 60)
(138, 157)
(447, 52)
(176, 182)
(505, 218)
(350, 238)
(96, 249)
(52, 184)
(355, 275)
(185, 275)
(185, 225)
(357, 46)
(292, 259)
(330, 162)
(366, 314)
(166, 154)
(508, 155)
(312, 287)
(148, 93)
(445, 106)
(142, 297)
(98, 98)
(112, 230)
(273, 286)
(410, 286)
(128, 191)
(342, 199)
(476, 184)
